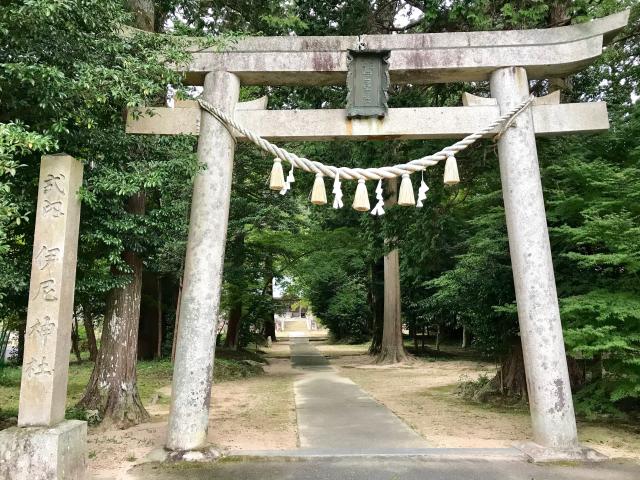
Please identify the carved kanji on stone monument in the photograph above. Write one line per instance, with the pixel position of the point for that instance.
(48, 333)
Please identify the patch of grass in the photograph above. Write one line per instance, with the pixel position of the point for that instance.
(226, 370)
(10, 388)
(9, 376)
(242, 354)
(9, 394)
(152, 375)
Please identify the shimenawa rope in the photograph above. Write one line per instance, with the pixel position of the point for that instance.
(346, 173)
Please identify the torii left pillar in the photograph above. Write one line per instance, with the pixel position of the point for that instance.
(200, 301)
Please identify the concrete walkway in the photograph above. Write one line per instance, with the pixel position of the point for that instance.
(334, 414)
(366, 468)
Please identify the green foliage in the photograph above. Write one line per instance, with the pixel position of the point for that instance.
(15, 142)
(334, 276)
(594, 193)
(77, 68)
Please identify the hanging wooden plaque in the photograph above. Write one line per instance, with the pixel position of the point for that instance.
(367, 83)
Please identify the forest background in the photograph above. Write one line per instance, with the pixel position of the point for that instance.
(68, 71)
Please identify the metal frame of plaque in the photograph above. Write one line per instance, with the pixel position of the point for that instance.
(367, 83)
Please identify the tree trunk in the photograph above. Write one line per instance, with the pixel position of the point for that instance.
(75, 339)
(595, 368)
(577, 376)
(558, 15)
(392, 348)
(377, 305)
(465, 336)
(270, 329)
(22, 328)
(511, 378)
(414, 336)
(112, 389)
(160, 330)
(233, 327)
(4, 341)
(148, 332)
(176, 323)
(144, 14)
(87, 319)
(237, 254)
(270, 321)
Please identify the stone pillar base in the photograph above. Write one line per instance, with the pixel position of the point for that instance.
(35, 453)
(539, 454)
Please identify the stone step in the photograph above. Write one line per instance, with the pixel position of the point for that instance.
(295, 326)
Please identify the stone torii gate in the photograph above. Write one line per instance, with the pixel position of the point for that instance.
(508, 60)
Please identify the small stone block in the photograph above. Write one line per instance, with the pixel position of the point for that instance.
(41, 453)
(155, 455)
(539, 454)
(207, 454)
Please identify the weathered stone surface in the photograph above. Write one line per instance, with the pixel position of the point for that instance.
(550, 402)
(539, 454)
(195, 347)
(43, 390)
(400, 123)
(414, 66)
(416, 59)
(470, 100)
(156, 455)
(208, 454)
(606, 26)
(40, 453)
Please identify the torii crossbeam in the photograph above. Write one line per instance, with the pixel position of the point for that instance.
(507, 59)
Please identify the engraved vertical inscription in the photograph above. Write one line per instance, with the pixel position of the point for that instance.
(42, 329)
(49, 315)
(54, 182)
(52, 209)
(47, 290)
(35, 368)
(367, 83)
(46, 256)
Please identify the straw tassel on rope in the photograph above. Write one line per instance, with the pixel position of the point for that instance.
(405, 197)
(451, 176)
(361, 198)
(318, 194)
(276, 181)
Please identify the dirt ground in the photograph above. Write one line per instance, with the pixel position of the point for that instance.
(258, 413)
(251, 414)
(422, 393)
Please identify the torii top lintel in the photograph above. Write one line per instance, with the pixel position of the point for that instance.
(414, 58)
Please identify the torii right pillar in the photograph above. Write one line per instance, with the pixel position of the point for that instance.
(552, 415)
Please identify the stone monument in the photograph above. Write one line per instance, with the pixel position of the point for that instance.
(44, 445)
